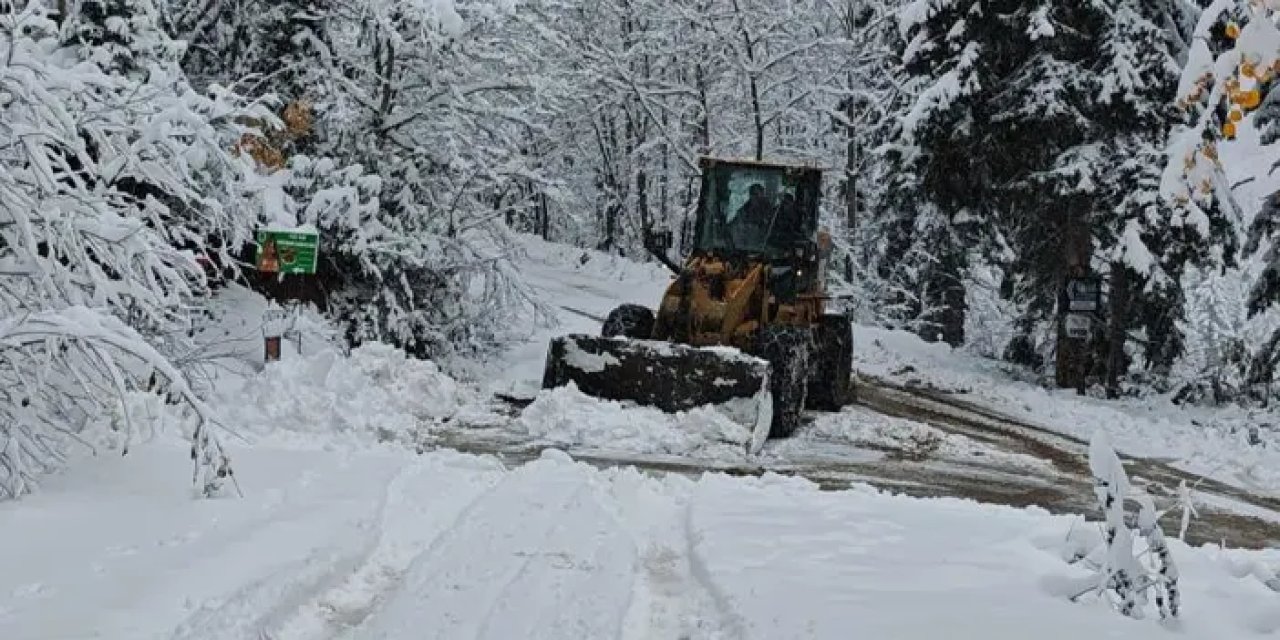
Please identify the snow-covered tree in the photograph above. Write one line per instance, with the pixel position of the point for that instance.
(1228, 83)
(938, 202)
(1032, 139)
(432, 101)
(120, 36)
(1131, 581)
(105, 173)
(1217, 362)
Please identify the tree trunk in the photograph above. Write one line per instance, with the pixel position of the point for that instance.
(754, 86)
(703, 130)
(544, 217)
(850, 188)
(755, 113)
(954, 303)
(642, 206)
(1116, 326)
(1072, 354)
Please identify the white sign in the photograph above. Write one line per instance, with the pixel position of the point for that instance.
(1083, 295)
(1078, 325)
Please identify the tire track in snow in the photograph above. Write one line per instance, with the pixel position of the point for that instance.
(302, 597)
(729, 621)
(669, 601)
(537, 557)
(243, 614)
(522, 575)
(414, 517)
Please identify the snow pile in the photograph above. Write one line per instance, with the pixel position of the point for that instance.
(376, 392)
(567, 417)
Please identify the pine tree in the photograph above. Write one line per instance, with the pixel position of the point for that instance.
(120, 36)
(1147, 243)
(1037, 124)
(937, 200)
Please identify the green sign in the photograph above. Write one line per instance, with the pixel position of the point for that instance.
(281, 251)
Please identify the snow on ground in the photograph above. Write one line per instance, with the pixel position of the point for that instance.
(382, 543)
(118, 547)
(344, 532)
(1226, 443)
(895, 567)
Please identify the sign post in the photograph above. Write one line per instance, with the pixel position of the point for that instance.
(1080, 308)
(284, 252)
(274, 326)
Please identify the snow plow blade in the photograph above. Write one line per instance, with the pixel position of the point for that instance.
(671, 377)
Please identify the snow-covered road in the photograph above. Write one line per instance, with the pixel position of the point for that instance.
(909, 437)
(385, 544)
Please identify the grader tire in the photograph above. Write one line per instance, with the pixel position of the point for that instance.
(788, 351)
(629, 321)
(830, 381)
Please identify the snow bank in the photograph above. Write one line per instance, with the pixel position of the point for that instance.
(567, 417)
(378, 392)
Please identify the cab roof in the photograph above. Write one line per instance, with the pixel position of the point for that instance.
(748, 162)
